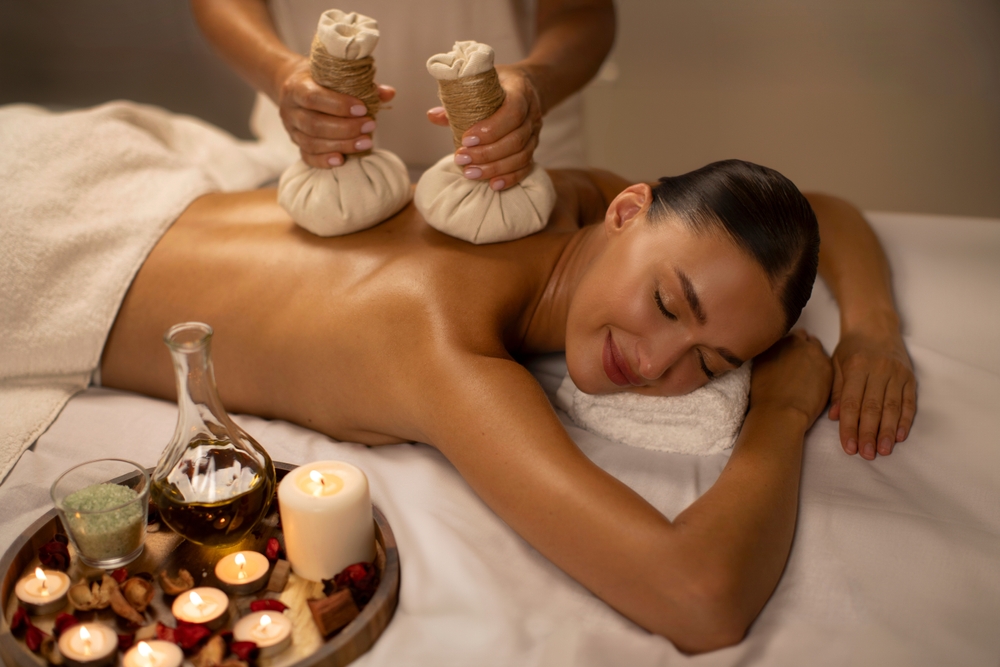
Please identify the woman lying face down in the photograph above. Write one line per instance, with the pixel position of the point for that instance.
(400, 333)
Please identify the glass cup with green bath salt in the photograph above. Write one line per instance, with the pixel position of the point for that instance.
(103, 506)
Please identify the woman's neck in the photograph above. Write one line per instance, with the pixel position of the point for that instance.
(546, 331)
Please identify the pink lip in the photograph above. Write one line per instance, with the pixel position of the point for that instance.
(616, 366)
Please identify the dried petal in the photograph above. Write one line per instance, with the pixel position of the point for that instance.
(211, 654)
(20, 623)
(122, 607)
(146, 633)
(244, 650)
(361, 578)
(120, 575)
(63, 622)
(139, 593)
(166, 633)
(268, 605)
(176, 585)
(273, 550)
(54, 555)
(125, 642)
(233, 663)
(189, 635)
(33, 638)
(50, 651)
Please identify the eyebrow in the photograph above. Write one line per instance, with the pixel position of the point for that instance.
(692, 298)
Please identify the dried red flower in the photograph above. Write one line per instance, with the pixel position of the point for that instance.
(268, 605)
(54, 555)
(273, 549)
(33, 638)
(125, 642)
(165, 632)
(120, 575)
(189, 635)
(64, 622)
(246, 651)
(20, 623)
(361, 578)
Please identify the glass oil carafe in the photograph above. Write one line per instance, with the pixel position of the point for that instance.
(213, 483)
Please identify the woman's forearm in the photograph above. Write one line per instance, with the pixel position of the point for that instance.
(572, 38)
(244, 35)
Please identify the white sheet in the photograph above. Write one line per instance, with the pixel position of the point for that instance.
(895, 562)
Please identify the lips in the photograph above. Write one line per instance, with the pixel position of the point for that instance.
(616, 366)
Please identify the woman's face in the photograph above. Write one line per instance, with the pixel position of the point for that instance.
(663, 309)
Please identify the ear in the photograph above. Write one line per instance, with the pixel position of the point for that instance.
(630, 205)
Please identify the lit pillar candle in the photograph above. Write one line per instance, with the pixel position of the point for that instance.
(43, 592)
(154, 653)
(243, 572)
(89, 645)
(326, 516)
(204, 605)
(271, 631)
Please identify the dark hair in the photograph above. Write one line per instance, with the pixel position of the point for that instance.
(763, 213)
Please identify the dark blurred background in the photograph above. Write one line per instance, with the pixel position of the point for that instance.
(894, 104)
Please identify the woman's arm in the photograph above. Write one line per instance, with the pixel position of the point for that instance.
(572, 38)
(700, 580)
(324, 124)
(874, 389)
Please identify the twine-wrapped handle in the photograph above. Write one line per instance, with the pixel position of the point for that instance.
(468, 85)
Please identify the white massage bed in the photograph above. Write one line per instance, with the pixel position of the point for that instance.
(895, 562)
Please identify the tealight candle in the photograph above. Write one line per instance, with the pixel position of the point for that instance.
(326, 516)
(43, 592)
(243, 572)
(204, 605)
(271, 631)
(89, 645)
(154, 653)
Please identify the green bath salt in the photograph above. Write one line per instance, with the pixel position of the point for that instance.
(101, 534)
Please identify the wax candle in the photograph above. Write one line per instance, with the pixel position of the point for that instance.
(154, 653)
(243, 572)
(326, 516)
(89, 645)
(43, 592)
(271, 631)
(204, 605)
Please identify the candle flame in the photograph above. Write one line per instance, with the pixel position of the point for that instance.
(265, 621)
(241, 560)
(144, 649)
(317, 476)
(196, 599)
(85, 636)
(40, 575)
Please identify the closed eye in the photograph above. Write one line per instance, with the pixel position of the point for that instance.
(663, 309)
(701, 360)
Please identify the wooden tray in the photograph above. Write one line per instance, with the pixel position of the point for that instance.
(166, 549)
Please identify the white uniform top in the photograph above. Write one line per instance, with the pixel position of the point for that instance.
(411, 31)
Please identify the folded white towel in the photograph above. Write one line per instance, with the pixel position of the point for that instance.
(704, 422)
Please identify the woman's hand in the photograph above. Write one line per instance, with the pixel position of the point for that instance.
(795, 374)
(874, 391)
(500, 148)
(325, 125)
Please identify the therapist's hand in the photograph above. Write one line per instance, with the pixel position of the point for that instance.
(325, 125)
(500, 148)
(874, 391)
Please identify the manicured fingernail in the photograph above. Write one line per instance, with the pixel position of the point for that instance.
(473, 173)
(358, 110)
(498, 185)
(362, 144)
(436, 110)
(335, 161)
(885, 446)
(462, 160)
(852, 446)
(470, 141)
(368, 127)
(900, 434)
(869, 450)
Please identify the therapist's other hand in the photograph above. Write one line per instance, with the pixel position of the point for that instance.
(874, 391)
(324, 124)
(500, 148)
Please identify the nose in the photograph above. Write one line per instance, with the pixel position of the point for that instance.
(660, 354)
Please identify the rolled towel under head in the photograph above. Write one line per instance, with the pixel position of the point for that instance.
(370, 186)
(467, 209)
(704, 422)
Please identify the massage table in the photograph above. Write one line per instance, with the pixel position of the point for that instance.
(894, 562)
